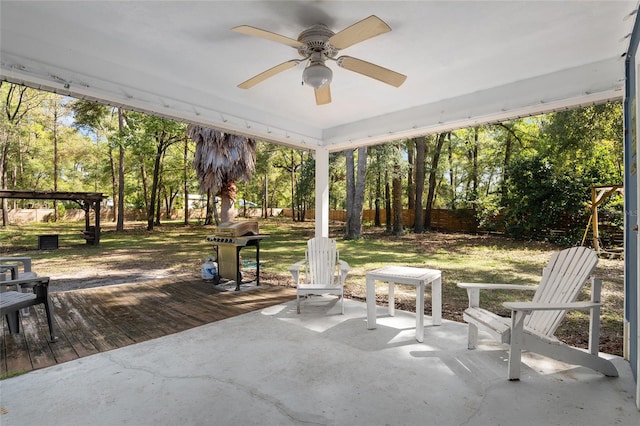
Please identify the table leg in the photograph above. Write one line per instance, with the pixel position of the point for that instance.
(436, 301)
(420, 312)
(371, 303)
(258, 262)
(239, 266)
(392, 299)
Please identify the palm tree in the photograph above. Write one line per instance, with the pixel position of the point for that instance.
(220, 160)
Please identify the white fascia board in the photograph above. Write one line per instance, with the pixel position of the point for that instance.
(589, 84)
(191, 107)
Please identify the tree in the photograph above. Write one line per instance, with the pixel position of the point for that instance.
(572, 138)
(121, 169)
(185, 179)
(17, 103)
(410, 146)
(355, 193)
(435, 159)
(100, 120)
(540, 199)
(220, 160)
(378, 170)
(153, 137)
(396, 191)
(305, 185)
(420, 168)
(57, 110)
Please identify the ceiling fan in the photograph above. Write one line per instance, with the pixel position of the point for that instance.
(318, 44)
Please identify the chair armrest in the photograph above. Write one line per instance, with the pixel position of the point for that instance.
(296, 266)
(488, 286)
(26, 282)
(26, 262)
(295, 270)
(473, 290)
(532, 306)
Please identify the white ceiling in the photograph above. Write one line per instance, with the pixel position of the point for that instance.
(467, 62)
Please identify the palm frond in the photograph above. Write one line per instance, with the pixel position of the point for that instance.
(221, 158)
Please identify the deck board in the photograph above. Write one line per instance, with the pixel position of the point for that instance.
(99, 319)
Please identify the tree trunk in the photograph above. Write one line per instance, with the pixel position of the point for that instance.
(55, 161)
(151, 207)
(351, 189)
(120, 213)
(228, 194)
(410, 172)
(376, 218)
(377, 221)
(158, 208)
(505, 168)
(452, 179)
(185, 180)
(265, 196)
(3, 177)
(293, 185)
(398, 228)
(473, 159)
(114, 185)
(432, 180)
(211, 208)
(359, 195)
(355, 196)
(387, 201)
(419, 166)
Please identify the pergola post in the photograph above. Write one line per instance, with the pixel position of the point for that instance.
(97, 228)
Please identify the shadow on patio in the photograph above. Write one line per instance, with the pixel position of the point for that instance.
(272, 366)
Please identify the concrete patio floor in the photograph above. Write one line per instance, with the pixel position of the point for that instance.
(274, 367)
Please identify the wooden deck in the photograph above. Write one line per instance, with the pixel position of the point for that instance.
(100, 319)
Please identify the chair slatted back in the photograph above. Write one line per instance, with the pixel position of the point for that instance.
(562, 281)
(322, 260)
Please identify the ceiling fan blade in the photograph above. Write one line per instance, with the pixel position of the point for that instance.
(323, 95)
(257, 32)
(360, 31)
(268, 73)
(372, 70)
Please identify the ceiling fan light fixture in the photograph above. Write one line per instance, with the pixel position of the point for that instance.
(317, 75)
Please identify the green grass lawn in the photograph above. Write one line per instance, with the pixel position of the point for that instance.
(178, 249)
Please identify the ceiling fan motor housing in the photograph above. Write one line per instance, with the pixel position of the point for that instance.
(316, 40)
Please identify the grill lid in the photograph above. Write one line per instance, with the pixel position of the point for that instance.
(237, 229)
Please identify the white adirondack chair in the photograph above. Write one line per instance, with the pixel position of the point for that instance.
(532, 324)
(11, 266)
(321, 272)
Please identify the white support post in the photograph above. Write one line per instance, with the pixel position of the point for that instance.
(637, 231)
(322, 192)
(634, 227)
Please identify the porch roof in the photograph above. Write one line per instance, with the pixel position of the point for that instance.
(467, 62)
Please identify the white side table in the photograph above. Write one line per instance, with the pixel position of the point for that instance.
(418, 277)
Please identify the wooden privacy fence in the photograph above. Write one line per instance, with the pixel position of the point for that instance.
(463, 220)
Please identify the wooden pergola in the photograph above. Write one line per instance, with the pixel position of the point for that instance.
(86, 201)
(599, 194)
